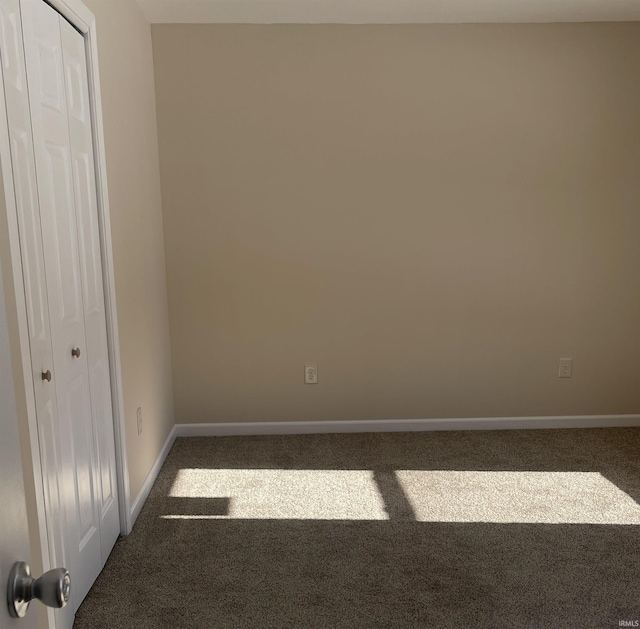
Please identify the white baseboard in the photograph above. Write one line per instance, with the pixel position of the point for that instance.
(142, 496)
(405, 425)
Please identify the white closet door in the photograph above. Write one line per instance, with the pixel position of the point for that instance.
(77, 89)
(22, 168)
(45, 78)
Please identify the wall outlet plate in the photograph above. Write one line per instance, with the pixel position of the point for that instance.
(311, 374)
(564, 371)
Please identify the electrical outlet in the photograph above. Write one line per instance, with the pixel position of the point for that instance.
(565, 368)
(139, 416)
(311, 374)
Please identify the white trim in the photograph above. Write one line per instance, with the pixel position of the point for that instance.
(76, 12)
(142, 496)
(106, 248)
(405, 425)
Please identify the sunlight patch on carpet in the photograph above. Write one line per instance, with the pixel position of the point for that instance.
(522, 497)
(284, 494)
(429, 495)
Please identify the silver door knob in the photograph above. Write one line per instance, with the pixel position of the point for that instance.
(52, 588)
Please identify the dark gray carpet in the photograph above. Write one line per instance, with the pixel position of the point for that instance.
(240, 567)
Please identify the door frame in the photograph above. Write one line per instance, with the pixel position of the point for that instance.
(84, 21)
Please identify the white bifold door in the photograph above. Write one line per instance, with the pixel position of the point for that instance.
(50, 130)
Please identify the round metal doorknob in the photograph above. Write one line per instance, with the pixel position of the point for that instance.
(53, 588)
(76, 352)
(46, 375)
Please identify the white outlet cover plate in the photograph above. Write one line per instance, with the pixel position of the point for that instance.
(566, 365)
(311, 374)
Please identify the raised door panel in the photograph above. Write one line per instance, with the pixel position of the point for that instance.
(50, 462)
(74, 406)
(82, 156)
(55, 182)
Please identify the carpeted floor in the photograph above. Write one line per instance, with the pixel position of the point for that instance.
(475, 529)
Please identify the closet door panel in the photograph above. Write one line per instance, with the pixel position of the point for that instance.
(82, 155)
(26, 197)
(23, 172)
(54, 167)
(24, 180)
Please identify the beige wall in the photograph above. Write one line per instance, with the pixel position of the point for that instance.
(432, 214)
(128, 100)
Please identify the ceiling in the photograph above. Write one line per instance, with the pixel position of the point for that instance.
(388, 11)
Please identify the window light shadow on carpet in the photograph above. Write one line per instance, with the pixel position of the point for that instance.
(418, 495)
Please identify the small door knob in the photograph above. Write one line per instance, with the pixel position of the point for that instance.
(46, 375)
(53, 588)
(75, 352)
